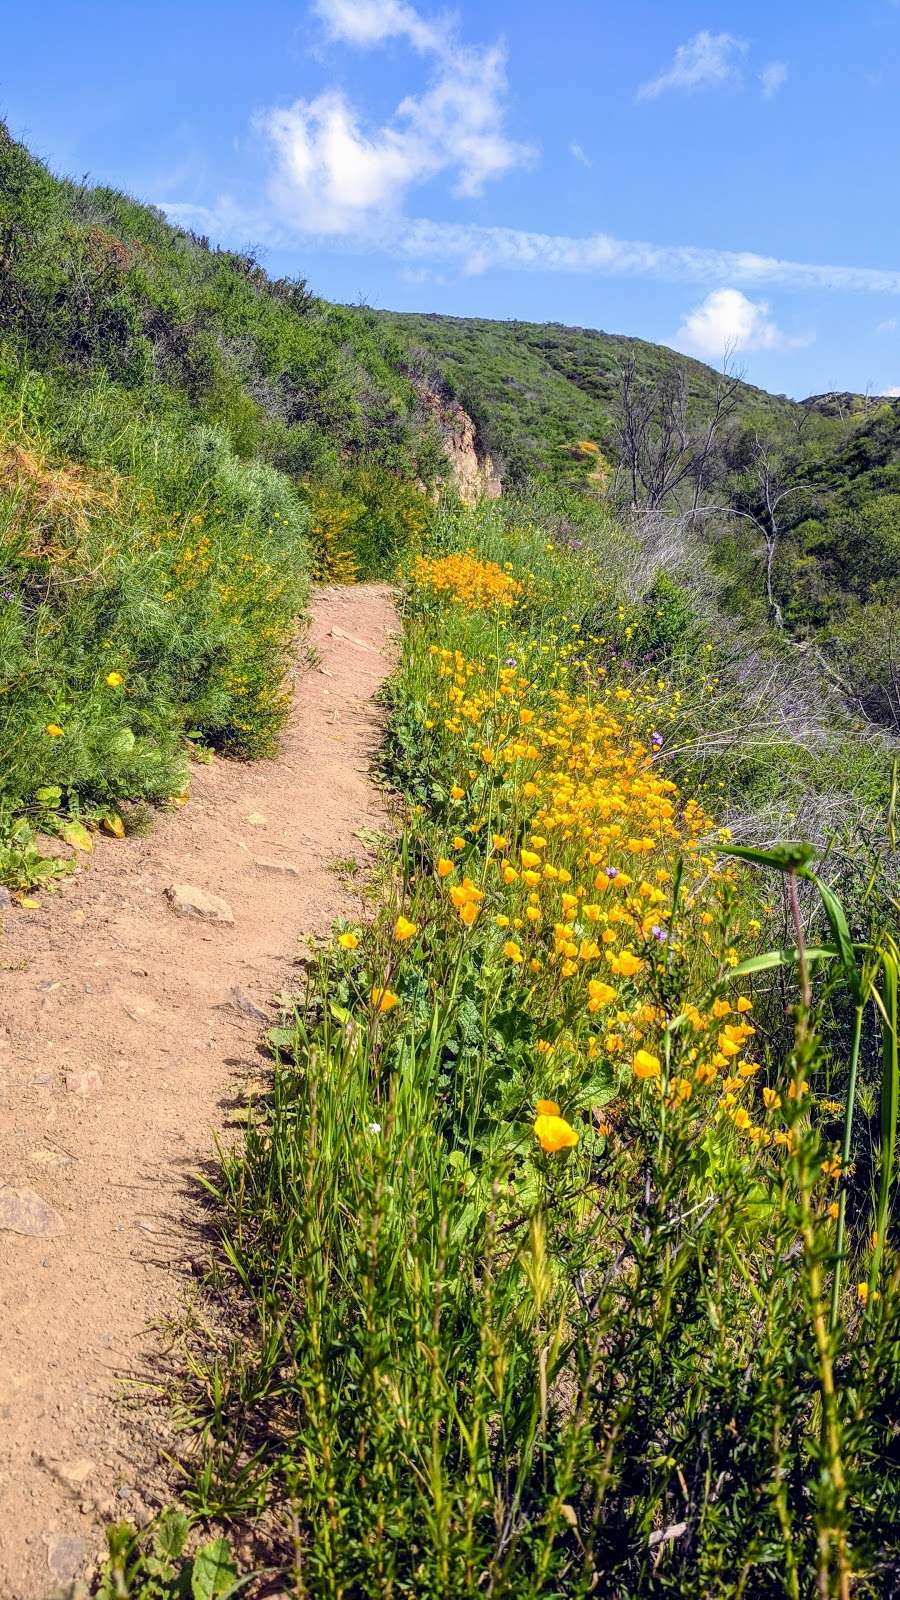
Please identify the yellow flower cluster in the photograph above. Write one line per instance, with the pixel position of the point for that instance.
(465, 579)
(569, 835)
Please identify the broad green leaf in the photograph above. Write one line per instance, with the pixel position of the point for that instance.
(76, 834)
(171, 1535)
(50, 795)
(213, 1572)
(280, 1040)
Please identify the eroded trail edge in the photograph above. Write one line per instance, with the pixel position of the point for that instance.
(128, 1036)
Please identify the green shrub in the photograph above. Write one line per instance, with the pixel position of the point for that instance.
(149, 585)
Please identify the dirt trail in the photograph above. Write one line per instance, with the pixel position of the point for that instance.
(127, 1036)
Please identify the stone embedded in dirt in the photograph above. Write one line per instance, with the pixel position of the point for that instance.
(241, 1001)
(350, 638)
(6, 898)
(50, 1158)
(326, 672)
(23, 1211)
(287, 868)
(74, 1474)
(189, 901)
(66, 1555)
(255, 819)
(85, 1083)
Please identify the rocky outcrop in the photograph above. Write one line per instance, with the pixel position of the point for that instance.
(472, 471)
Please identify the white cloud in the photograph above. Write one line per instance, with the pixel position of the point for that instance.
(514, 249)
(576, 151)
(772, 78)
(332, 173)
(891, 394)
(889, 325)
(370, 22)
(709, 60)
(728, 321)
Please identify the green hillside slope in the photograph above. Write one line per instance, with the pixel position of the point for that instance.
(541, 393)
(179, 438)
(534, 388)
(93, 280)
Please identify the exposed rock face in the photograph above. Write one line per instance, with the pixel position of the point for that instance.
(472, 471)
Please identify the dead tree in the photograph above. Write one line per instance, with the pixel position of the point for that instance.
(665, 455)
(768, 471)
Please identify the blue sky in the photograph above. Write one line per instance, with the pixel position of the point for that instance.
(708, 175)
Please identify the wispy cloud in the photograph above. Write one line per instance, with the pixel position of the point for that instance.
(706, 61)
(892, 394)
(332, 171)
(772, 78)
(371, 22)
(513, 249)
(728, 321)
(889, 325)
(576, 151)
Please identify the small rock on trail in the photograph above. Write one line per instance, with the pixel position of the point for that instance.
(350, 638)
(23, 1211)
(189, 901)
(289, 869)
(66, 1554)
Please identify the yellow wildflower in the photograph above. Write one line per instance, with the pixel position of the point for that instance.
(554, 1133)
(645, 1065)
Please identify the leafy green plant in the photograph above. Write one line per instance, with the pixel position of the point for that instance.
(154, 1565)
(869, 975)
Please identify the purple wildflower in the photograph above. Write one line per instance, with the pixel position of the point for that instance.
(612, 872)
(659, 933)
(656, 740)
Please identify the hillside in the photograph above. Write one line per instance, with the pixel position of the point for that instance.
(92, 280)
(541, 394)
(823, 503)
(534, 388)
(183, 442)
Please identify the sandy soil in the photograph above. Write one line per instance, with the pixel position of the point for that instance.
(128, 1035)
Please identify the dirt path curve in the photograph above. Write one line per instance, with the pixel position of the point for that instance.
(126, 1034)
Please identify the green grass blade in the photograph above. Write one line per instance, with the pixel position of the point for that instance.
(793, 855)
(890, 1103)
(786, 957)
(840, 932)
